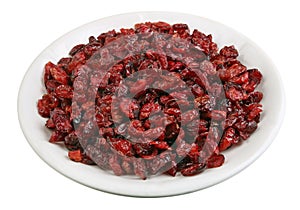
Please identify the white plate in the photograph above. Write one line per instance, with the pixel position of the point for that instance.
(236, 159)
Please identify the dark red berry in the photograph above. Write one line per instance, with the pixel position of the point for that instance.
(189, 103)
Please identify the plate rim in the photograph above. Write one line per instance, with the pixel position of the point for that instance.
(239, 169)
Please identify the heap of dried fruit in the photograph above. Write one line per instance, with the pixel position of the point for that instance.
(157, 130)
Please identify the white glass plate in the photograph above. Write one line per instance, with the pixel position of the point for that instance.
(236, 159)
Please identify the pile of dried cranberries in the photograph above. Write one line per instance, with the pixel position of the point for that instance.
(149, 100)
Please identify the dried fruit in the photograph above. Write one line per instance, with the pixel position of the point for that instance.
(75, 155)
(157, 123)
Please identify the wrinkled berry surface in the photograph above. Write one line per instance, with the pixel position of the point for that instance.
(157, 129)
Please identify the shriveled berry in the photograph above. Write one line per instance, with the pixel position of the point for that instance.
(255, 78)
(50, 124)
(57, 136)
(46, 104)
(147, 109)
(215, 161)
(236, 93)
(75, 155)
(131, 128)
(59, 75)
(160, 144)
(173, 111)
(232, 71)
(122, 146)
(72, 141)
(229, 52)
(75, 49)
(64, 91)
(229, 137)
(61, 121)
(193, 170)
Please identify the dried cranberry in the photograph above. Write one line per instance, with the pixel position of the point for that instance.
(64, 91)
(193, 170)
(75, 49)
(215, 161)
(46, 104)
(232, 71)
(59, 75)
(57, 136)
(166, 129)
(255, 78)
(229, 52)
(147, 109)
(122, 146)
(61, 121)
(72, 141)
(75, 155)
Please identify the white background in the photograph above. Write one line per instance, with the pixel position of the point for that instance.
(26, 182)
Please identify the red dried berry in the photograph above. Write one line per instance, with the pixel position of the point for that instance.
(166, 129)
(75, 155)
(64, 91)
(57, 136)
(46, 104)
(122, 146)
(215, 161)
(75, 49)
(147, 109)
(255, 78)
(59, 75)
(160, 145)
(229, 52)
(232, 71)
(193, 170)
